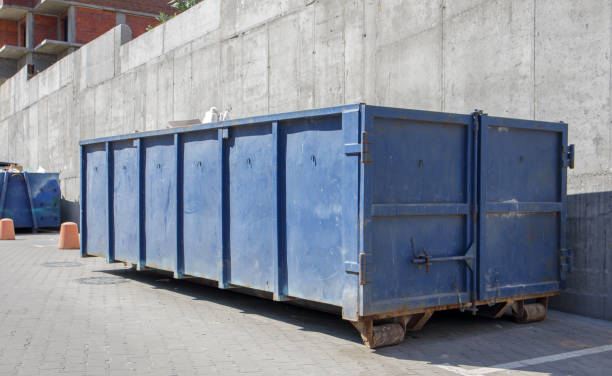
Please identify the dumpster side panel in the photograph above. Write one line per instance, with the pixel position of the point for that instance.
(523, 201)
(201, 201)
(419, 178)
(17, 205)
(252, 207)
(97, 203)
(315, 214)
(46, 198)
(125, 200)
(160, 203)
(41, 200)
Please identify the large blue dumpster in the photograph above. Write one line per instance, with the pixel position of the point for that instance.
(389, 214)
(31, 200)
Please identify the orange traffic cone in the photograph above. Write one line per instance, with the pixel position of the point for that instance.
(7, 229)
(69, 236)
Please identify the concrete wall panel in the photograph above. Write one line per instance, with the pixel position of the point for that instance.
(542, 59)
(329, 51)
(488, 64)
(572, 68)
(205, 83)
(183, 78)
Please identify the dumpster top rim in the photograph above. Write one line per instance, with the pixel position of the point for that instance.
(449, 117)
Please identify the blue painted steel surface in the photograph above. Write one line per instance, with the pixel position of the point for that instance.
(376, 210)
(31, 200)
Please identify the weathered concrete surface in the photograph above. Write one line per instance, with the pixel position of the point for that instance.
(82, 316)
(537, 59)
(590, 235)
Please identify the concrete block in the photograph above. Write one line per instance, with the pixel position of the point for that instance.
(49, 80)
(11, 127)
(231, 80)
(283, 55)
(4, 152)
(6, 99)
(140, 99)
(71, 162)
(31, 92)
(306, 59)
(408, 72)
(573, 78)
(42, 126)
(254, 73)
(102, 110)
(354, 49)
(329, 50)
(87, 111)
(31, 135)
(581, 304)
(120, 107)
(98, 60)
(488, 59)
(17, 137)
(198, 21)
(151, 95)
(122, 35)
(397, 19)
(69, 131)
(455, 7)
(205, 74)
(181, 86)
(142, 49)
(54, 133)
(252, 14)
(66, 69)
(165, 92)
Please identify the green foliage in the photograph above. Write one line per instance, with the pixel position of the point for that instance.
(179, 5)
(182, 5)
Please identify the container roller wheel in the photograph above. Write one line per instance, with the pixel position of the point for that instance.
(375, 336)
(530, 312)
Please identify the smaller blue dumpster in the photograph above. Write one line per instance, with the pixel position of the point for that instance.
(31, 200)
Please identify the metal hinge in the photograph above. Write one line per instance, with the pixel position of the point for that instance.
(476, 120)
(358, 268)
(567, 156)
(365, 152)
(361, 149)
(362, 269)
(566, 262)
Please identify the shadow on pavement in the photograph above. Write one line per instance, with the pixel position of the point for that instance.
(450, 338)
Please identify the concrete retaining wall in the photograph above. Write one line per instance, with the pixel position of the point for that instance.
(536, 59)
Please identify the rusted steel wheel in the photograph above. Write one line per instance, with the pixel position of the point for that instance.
(525, 313)
(387, 335)
(375, 336)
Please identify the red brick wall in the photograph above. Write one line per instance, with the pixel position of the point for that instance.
(91, 23)
(139, 24)
(146, 6)
(20, 3)
(8, 33)
(45, 27)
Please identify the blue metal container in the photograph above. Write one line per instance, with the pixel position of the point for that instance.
(389, 214)
(31, 200)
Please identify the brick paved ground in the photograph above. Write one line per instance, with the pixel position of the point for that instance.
(61, 314)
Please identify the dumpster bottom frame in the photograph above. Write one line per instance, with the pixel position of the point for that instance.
(389, 329)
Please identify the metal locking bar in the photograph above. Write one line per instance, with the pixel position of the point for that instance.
(425, 259)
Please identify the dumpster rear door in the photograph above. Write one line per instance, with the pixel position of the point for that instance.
(418, 226)
(522, 200)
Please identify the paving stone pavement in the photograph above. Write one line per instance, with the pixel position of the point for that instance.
(61, 314)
